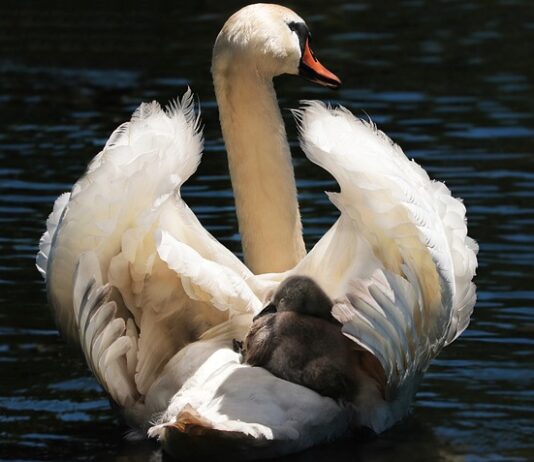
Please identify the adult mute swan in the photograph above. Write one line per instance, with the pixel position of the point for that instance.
(155, 302)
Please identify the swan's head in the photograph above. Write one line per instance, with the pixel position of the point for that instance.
(269, 40)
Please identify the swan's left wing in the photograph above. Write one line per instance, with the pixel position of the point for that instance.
(111, 292)
(207, 280)
(398, 260)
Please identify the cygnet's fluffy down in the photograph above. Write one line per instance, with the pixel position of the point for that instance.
(296, 338)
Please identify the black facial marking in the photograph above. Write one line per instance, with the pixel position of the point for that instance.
(302, 33)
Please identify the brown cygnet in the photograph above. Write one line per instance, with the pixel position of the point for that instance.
(296, 338)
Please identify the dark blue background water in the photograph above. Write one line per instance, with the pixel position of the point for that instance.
(451, 82)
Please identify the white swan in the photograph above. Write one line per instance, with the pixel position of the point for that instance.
(154, 301)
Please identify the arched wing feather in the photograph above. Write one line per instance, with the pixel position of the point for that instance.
(125, 307)
(109, 342)
(404, 277)
(207, 280)
(52, 223)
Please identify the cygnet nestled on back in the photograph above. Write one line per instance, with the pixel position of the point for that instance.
(296, 338)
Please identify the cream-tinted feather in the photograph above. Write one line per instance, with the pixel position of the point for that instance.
(409, 290)
(45, 244)
(106, 341)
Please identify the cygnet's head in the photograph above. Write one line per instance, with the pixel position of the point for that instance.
(302, 295)
(268, 40)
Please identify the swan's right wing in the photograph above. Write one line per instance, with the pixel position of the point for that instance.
(399, 259)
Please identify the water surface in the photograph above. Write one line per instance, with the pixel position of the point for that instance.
(451, 82)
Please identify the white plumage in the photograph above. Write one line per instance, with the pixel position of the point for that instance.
(155, 302)
(419, 296)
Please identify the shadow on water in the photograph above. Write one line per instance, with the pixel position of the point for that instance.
(451, 82)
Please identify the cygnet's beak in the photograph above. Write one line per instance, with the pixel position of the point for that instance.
(311, 69)
(269, 309)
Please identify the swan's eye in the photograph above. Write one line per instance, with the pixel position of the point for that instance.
(302, 32)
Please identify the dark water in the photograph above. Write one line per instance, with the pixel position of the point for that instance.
(451, 82)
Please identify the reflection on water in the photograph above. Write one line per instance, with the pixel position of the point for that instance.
(449, 81)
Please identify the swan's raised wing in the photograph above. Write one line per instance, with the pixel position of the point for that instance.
(398, 260)
(111, 292)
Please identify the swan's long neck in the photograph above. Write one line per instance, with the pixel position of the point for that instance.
(260, 168)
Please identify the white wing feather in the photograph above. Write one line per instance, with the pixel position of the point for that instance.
(404, 279)
(107, 339)
(144, 160)
(103, 232)
(47, 238)
(207, 280)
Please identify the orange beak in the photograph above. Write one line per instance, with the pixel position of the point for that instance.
(311, 69)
